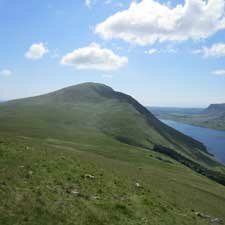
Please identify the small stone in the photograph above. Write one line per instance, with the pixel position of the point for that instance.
(137, 185)
(74, 192)
(89, 176)
(95, 197)
(216, 221)
(202, 215)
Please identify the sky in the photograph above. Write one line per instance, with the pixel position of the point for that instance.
(163, 53)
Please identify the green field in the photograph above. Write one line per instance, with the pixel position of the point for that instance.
(89, 155)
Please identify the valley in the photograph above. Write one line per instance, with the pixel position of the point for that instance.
(212, 117)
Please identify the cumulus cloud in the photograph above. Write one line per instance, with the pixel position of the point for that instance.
(94, 57)
(6, 72)
(36, 51)
(149, 21)
(220, 72)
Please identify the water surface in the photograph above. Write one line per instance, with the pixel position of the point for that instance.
(214, 140)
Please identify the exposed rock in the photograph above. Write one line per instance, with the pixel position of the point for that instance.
(202, 215)
(95, 197)
(89, 176)
(137, 185)
(75, 192)
(216, 221)
(205, 216)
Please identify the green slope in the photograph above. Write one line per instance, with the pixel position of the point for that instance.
(43, 182)
(95, 108)
(48, 143)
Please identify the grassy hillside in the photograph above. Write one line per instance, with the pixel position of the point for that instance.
(211, 117)
(92, 109)
(47, 181)
(90, 155)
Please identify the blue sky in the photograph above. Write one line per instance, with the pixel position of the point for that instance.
(156, 55)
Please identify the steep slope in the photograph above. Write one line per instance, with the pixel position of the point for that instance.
(86, 112)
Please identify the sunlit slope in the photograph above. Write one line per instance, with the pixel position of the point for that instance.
(90, 155)
(49, 181)
(82, 113)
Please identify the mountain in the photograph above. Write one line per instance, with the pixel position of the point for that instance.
(175, 110)
(97, 109)
(211, 117)
(215, 109)
(93, 155)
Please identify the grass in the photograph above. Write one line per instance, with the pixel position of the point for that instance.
(38, 179)
(75, 157)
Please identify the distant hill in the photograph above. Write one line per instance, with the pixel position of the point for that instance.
(215, 109)
(186, 111)
(211, 117)
(87, 154)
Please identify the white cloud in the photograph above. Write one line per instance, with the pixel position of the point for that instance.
(94, 57)
(151, 51)
(149, 21)
(165, 50)
(170, 50)
(216, 50)
(36, 51)
(219, 72)
(6, 72)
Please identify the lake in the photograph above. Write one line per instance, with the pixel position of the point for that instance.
(214, 140)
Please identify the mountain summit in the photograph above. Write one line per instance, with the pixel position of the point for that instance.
(93, 111)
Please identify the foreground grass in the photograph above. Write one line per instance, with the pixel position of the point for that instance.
(46, 181)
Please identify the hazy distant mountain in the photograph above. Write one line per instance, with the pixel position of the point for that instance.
(211, 117)
(186, 111)
(215, 109)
